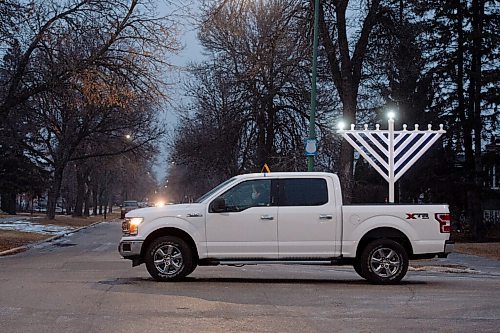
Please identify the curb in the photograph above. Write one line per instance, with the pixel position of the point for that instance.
(48, 240)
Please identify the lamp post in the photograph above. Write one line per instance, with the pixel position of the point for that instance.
(312, 115)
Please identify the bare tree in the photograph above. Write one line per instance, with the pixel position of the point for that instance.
(262, 47)
(121, 37)
(252, 96)
(346, 50)
(86, 71)
(75, 133)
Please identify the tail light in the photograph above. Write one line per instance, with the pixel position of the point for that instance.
(444, 222)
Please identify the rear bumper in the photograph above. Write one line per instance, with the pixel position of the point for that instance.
(447, 249)
(449, 246)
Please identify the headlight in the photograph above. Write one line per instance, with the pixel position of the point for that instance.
(131, 225)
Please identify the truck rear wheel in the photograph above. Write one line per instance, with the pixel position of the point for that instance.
(384, 261)
(169, 258)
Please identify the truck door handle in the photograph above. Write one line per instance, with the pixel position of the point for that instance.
(266, 217)
(325, 217)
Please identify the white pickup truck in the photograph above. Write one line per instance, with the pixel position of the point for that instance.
(284, 218)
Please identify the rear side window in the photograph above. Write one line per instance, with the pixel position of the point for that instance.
(303, 192)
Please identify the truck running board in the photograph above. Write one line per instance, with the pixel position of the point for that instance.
(239, 262)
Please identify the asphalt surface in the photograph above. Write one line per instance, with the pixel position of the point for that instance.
(79, 283)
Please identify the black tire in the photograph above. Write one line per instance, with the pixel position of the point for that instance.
(384, 261)
(174, 259)
(357, 268)
(192, 269)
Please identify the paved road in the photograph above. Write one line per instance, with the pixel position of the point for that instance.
(80, 284)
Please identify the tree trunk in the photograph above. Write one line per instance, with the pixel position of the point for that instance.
(475, 212)
(261, 138)
(475, 101)
(94, 198)
(109, 204)
(101, 198)
(9, 202)
(345, 171)
(108, 197)
(80, 192)
(54, 191)
(269, 145)
(346, 74)
(346, 160)
(86, 202)
(460, 79)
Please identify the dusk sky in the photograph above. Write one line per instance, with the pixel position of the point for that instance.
(191, 52)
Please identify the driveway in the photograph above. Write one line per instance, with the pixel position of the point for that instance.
(80, 284)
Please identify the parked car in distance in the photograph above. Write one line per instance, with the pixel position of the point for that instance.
(128, 206)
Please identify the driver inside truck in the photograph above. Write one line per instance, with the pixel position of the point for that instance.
(258, 197)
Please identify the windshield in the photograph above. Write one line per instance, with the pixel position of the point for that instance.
(215, 189)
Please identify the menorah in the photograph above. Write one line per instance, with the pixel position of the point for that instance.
(391, 152)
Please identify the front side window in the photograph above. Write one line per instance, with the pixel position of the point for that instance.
(215, 189)
(303, 192)
(251, 193)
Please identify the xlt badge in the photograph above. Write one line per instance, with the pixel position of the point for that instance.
(414, 216)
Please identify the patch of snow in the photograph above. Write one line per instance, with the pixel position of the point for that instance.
(444, 269)
(28, 225)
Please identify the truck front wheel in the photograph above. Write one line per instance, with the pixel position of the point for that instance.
(384, 261)
(169, 258)
(357, 268)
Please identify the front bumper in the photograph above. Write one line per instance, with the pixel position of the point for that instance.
(130, 249)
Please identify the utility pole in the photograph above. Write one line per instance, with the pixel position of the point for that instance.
(310, 153)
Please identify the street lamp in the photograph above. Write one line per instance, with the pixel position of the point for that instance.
(312, 115)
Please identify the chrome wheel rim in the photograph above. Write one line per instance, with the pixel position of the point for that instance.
(385, 262)
(168, 259)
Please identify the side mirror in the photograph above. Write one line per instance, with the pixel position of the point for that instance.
(218, 205)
